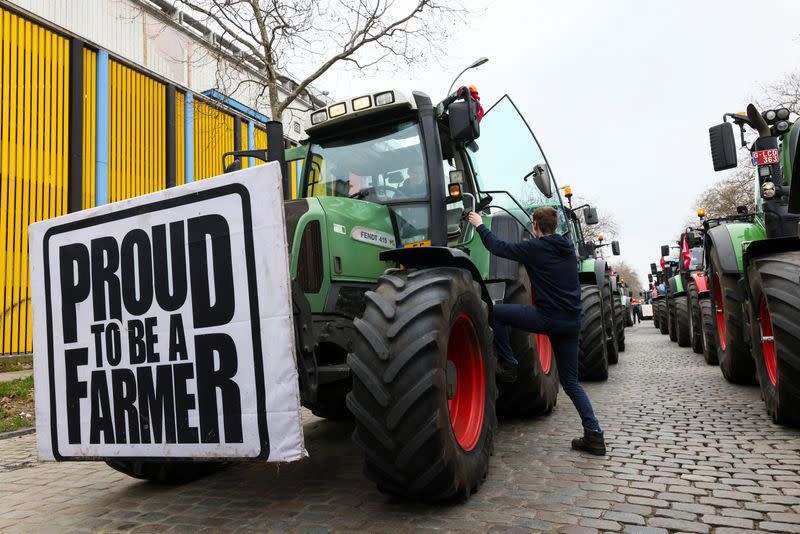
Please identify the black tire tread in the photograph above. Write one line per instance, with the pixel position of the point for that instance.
(402, 423)
(682, 328)
(592, 356)
(167, 473)
(709, 337)
(696, 326)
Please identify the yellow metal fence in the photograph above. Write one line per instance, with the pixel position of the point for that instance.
(33, 180)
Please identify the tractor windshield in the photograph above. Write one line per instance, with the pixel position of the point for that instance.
(383, 165)
(507, 151)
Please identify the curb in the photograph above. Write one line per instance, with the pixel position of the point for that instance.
(17, 433)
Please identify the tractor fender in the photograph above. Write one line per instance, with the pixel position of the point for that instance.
(700, 282)
(675, 286)
(586, 271)
(419, 257)
(769, 246)
(719, 238)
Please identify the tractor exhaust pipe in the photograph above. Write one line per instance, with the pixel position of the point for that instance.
(758, 121)
(275, 153)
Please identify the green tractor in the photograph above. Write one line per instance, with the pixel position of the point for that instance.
(394, 290)
(599, 335)
(754, 263)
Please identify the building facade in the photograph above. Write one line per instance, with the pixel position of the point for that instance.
(103, 100)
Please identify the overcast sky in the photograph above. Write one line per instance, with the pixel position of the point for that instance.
(619, 93)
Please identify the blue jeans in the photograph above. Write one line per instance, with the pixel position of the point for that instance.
(564, 337)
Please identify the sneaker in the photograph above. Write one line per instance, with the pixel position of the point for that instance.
(591, 442)
(506, 371)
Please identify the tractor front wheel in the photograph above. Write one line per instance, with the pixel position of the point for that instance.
(619, 322)
(735, 360)
(608, 322)
(663, 317)
(776, 333)
(683, 321)
(695, 319)
(168, 473)
(709, 332)
(424, 385)
(592, 357)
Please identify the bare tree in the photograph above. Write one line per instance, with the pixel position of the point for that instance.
(630, 276)
(783, 94)
(308, 37)
(723, 197)
(607, 226)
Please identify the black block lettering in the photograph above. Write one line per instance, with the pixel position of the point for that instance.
(101, 410)
(184, 402)
(152, 338)
(76, 390)
(177, 338)
(136, 346)
(137, 291)
(75, 282)
(123, 385)
(221, 311)
(105, 262)
(156, 403)
(209, 379)
(176, 272)
(113, 344)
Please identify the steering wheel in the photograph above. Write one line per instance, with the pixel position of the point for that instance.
(378, 190)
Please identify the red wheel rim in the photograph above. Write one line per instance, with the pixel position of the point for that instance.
(720, 311)
(545, 350)
(768, 341)
(468, 404)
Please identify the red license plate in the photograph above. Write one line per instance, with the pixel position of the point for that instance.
(765, 157)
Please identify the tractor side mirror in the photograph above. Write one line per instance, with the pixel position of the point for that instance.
(741, 210)
(615, 248)
(691, 239)
(723, 146)
(653, 269)
(463, 121)
(590, 216)
(541, 177)
(664, 250)
(649, 277)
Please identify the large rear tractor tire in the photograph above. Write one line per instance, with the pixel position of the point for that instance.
(683, 326)
(619, 322)
(672, 329)
(663, 317)
(628, 314)
(735, 359)
(592, 357)
(709, 332)
(775, 288)
(536, 389)
(424, 384)
(609, 322)
(695, 319)
(168, 473)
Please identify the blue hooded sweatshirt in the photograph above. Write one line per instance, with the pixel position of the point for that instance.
(552, 268)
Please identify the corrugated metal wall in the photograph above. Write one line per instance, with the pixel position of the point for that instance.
(180, 140)
(122, 131)
(33, 120)
(137, 134)
(89, 127)
(213, 136)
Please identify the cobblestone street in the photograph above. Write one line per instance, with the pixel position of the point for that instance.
(687, 452)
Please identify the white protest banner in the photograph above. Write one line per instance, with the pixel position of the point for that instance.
(163, 326)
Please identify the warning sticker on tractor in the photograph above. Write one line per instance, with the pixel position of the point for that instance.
(163, 326)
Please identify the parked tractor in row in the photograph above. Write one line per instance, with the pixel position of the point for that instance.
(754, 263)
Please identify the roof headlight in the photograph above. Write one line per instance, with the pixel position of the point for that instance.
(337, 110)
(362, 102)
(381, 99)
(319, 116)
